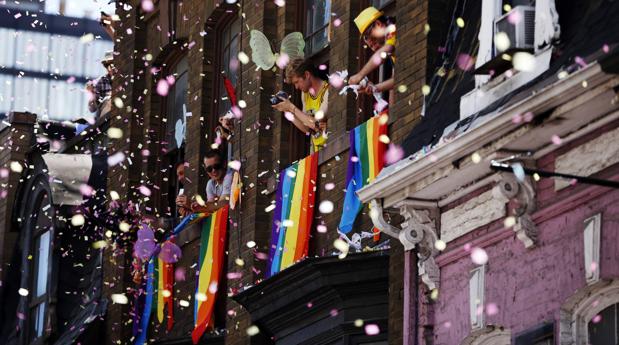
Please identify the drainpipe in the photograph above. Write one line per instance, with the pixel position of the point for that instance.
(409, 332)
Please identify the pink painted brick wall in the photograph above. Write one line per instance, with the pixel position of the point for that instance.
(530, 285)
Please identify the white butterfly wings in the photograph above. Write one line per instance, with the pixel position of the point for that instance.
(292, 45)
(261, 53)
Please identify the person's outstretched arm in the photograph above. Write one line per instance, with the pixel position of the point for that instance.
(371, 65)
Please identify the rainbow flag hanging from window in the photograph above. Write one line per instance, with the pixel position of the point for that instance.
(212, 248)
(294, 211)
(165, 288)
(366, 160)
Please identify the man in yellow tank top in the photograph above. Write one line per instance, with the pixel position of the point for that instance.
(379, 34)
(312, 118)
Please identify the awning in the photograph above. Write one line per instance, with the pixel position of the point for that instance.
(68, 172)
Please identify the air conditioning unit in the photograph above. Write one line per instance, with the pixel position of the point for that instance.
(519, 25)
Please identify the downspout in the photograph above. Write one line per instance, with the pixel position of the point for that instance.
(410, 272)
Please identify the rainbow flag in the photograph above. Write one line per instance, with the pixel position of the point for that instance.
(366, 160)
(165, 282)
(212, 248)
(294, 211)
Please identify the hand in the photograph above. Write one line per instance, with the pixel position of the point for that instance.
(355, 79)
(322, 126)
(195, 206)
(369, 89)
(284, 106)
(182, 201)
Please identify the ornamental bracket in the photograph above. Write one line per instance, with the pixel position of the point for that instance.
(523, 193)
(417, 231)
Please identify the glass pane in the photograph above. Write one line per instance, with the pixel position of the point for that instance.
(37, 320)
(30, 95)
(229, 66)
(6, 92)
(176, 102)
(67, 56)
(603, 327)
(317, 20)
(32, 50)
(319, 41)
(7, 57)
(42, 263)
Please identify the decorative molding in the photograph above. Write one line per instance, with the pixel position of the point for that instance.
(419, 230)
(490, 335)
(524, 194)
(581, 307)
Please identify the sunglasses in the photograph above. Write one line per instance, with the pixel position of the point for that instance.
(217, 166)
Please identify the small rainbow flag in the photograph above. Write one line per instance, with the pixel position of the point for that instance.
(165, 287)
(212, 248)
(366, 160)
(294, 211)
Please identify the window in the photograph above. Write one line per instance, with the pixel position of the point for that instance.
(30, 95)
(229, 63)
(66, 56)
(7, 53)
(603, 327)
(538, 335)
(476, 297)
(381, 3)
(317, 26)
(592, 248)
(175, 127)
(41, 233)
(31, 52)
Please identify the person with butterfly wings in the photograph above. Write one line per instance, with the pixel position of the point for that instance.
(311, 119)
(305, 77)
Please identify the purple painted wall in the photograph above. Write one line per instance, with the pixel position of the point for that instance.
(529, 285)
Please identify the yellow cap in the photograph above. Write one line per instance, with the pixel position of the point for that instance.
(366, 18)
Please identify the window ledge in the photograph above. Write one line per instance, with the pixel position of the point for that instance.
(484, 95)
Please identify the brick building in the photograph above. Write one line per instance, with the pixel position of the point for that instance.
(195, 41)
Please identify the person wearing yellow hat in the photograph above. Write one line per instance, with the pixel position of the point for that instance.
(379, 34)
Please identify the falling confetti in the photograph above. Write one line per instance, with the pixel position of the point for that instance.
(479, 256)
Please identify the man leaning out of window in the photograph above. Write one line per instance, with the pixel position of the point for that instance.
(217, 188)
(312, 118)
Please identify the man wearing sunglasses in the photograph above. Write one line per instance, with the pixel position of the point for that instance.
(379, 34)
(217, 188)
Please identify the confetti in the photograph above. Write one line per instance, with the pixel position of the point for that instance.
(501, 41)
(492, 309)
(440, 245)
(252, 330)
(460, 22)
(78, 220)
(479, 256)
(523, 62)
(23, 292)
(16, 167)
(326, 206)
(251, 244)
(183, 303)
(119, 298)
(372, 329)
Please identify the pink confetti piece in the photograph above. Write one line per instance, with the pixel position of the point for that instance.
(180, 274)
(492, 309)
(479, 256)
(372, 329)
(528, 116)
(86, 190)
(321, 228)
(144, 190)
(336, 81)
(234, 275)
(333, 312)
(337, 22)
(465, 62)
(556, 139)
(394, 154)
(282, 60)
(517, 118)
(606, 48)
(514, 17)
(163, 88)
(147, 5)
(170, 79)
(329, 186)
(597, 318)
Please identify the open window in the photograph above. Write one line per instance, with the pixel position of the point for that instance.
(174, 108)
(228, 45)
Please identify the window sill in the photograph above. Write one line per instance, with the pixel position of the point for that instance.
(486, 94)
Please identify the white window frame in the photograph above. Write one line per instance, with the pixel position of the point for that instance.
(487, 92)
(476, 296)
(591, 237)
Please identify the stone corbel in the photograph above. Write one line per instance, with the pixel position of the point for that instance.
(418, 230)
(524, 194)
